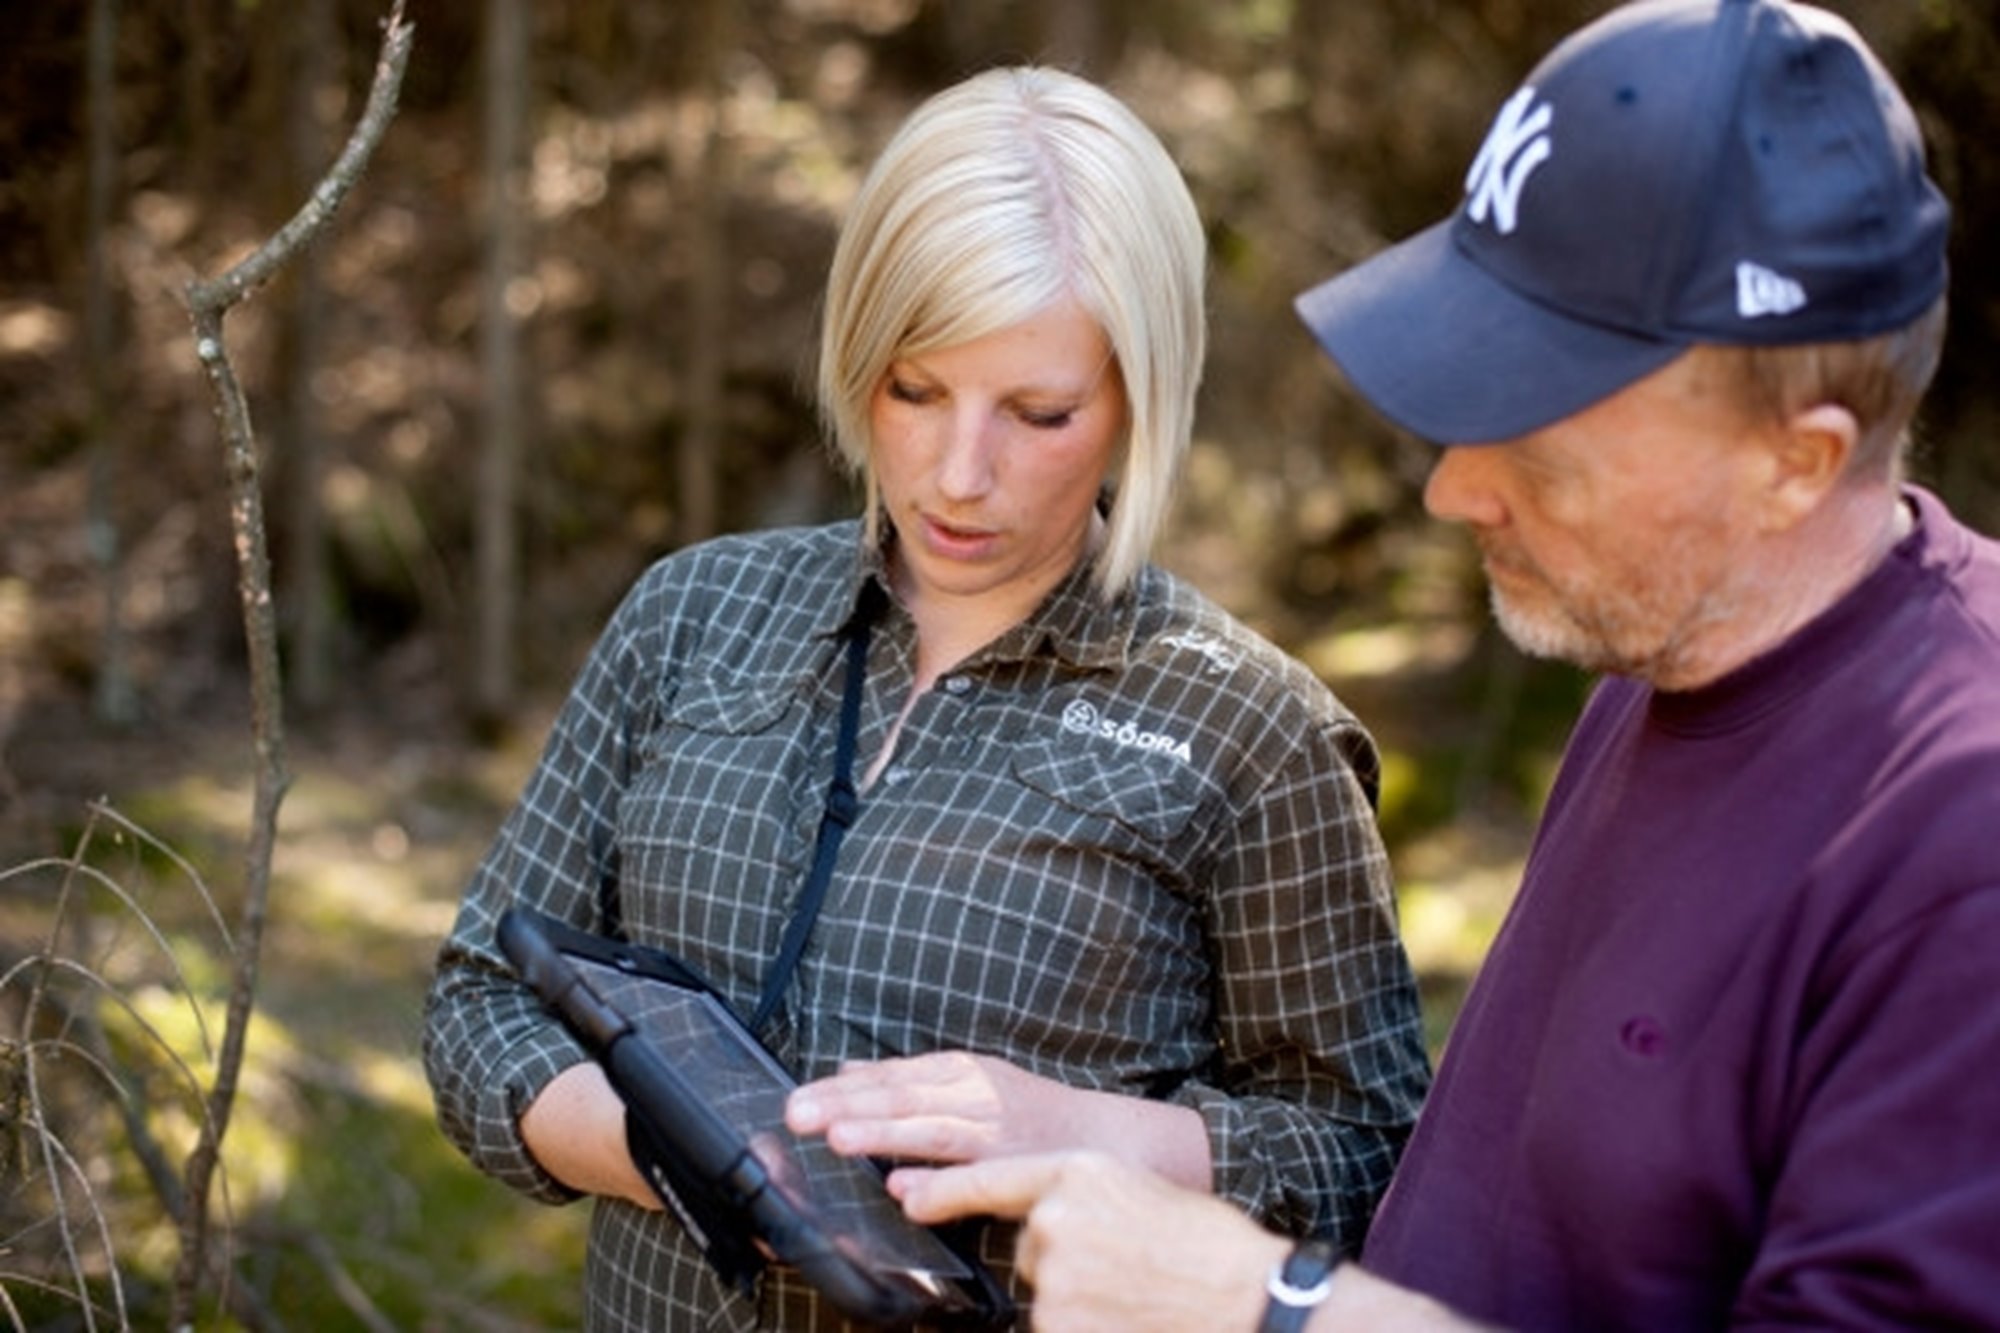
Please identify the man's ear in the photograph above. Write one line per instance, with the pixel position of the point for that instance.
(1809, 456)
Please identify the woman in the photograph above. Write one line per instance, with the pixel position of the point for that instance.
(1114, 875)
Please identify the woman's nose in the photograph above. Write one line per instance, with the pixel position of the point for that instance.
(965, 464)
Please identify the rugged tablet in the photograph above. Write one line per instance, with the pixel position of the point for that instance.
(706, 1102)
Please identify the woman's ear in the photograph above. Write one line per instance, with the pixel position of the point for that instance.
(1809, 456)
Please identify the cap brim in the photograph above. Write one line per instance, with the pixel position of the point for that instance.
(1450, 353)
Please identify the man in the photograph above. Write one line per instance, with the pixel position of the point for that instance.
(1734, 1059)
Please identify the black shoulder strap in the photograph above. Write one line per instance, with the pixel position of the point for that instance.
(843, 803)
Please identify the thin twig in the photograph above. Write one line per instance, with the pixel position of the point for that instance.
(56, 1161)
(104, 809)
(11, 966)
(351, 1293)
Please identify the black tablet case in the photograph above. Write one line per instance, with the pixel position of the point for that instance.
(699, 1090)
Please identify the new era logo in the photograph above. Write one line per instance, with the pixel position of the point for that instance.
(1759, 291)
(1514, 147)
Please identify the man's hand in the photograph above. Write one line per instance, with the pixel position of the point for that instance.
(1111, 1249)
(1108, 1246)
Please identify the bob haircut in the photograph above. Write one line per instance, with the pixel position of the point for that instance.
(997, 198)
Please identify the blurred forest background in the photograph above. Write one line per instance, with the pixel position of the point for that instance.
(563, 326)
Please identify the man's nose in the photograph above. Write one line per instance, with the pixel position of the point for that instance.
(1460, 488)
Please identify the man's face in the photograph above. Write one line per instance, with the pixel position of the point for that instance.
(1611, 537)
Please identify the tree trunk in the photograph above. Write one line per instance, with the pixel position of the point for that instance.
(496, 522)
(115, 700)
(197, 118)
(310, 668)
(1072, 33)
(708, 299)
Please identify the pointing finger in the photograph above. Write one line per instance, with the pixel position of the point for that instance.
(1000, 1187)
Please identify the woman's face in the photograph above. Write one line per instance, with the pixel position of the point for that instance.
(989, 456)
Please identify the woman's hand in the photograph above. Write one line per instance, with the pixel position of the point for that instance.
(576, 1129)
(954, 1107)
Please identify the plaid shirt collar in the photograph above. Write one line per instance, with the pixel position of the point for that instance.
(1073, 624)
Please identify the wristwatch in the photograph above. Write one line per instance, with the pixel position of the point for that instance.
(1297, 1285)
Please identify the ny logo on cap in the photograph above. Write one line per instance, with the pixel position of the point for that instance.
(1514, 147)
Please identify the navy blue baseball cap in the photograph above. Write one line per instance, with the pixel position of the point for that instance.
(1677, 172)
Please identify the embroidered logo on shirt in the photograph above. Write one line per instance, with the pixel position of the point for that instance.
(1759, 291)
(1221, 657)
(1515, 146)
(1084, 719)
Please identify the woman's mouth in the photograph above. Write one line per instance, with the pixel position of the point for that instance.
(955, 542)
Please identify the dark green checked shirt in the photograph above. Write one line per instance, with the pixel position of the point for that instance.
(1130, 847)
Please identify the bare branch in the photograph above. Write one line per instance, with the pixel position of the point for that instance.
(351, 1293)
(208, 302)
(11, 967)
(57, 1161)
(217, 295)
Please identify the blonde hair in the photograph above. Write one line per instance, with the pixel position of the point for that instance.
(997, 198)
(1880, 380)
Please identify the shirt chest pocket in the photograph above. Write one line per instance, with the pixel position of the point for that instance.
(720, 772)
(1148, 796)
(710, 705)
(1085, 899)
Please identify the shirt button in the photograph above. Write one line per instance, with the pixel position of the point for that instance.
(955, 684)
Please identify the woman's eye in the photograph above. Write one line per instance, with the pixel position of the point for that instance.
(1047, 420)
(907, 393)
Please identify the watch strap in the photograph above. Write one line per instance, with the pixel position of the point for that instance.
(1297, 1285)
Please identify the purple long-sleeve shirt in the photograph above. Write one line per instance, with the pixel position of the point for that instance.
(1734, 1060)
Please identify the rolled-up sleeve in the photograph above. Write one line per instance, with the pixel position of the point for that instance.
(489, 1045)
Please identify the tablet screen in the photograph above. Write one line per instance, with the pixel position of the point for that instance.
(747, 1087)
